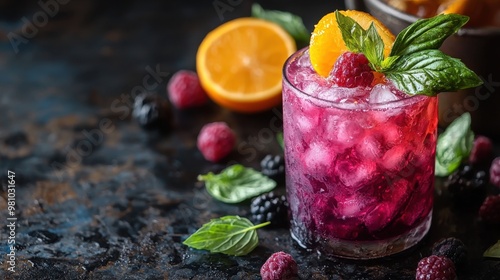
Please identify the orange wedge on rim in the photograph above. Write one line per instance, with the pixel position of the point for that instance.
(240, 64)
(327, 43)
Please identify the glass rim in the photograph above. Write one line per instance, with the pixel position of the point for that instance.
(400, 103)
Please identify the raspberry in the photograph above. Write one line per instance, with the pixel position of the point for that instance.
(152, 111)
(215, 141)
(269, 207)
(490, 209)
(467, 184)
(185, 91)
(352, 70)
(452, 248)
(481, 150)
(279, 266)
(273, 166)
(436, 268)
(495, 172)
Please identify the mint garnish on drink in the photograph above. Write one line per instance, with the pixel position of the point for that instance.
(414, 65)
(230, 235)
(236, 183)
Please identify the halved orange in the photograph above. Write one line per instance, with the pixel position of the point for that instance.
(327, 43)
(240, 64)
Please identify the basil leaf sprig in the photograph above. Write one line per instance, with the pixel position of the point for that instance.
(291, 23)
(493, 251)
(230, 235)
(236, 183)
(414, 65)
(454, 145)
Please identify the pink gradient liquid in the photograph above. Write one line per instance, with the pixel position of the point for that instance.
(359, 164)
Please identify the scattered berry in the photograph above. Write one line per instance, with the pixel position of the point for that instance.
(215, 141)
(467, 184)
(490, 209)
(495, 172)
(352, 70)
(279, 266)
(273, 166)
(482, 150)
(185, 91)
(452, 248)
(269, 207)
(436, 268)
(152, 111)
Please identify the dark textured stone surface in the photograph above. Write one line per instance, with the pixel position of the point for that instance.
(99, 198)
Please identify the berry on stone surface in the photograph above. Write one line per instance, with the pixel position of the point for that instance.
(490, 209)
(467, 184)
(495, 172)
(352, 70)
(152, 111)
(452, 248)
(436, 268)
(215, 141)
(482, 150)
(273, 166)
(279, 266)
(185, 91)
(269, 207)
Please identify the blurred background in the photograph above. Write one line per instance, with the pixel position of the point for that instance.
(52, 51)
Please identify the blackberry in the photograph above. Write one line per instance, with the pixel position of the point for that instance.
(352, 70)
(436, 268)
(151, 111)
(467, 184)
(273, 166)
(452, 248)
(269, 207)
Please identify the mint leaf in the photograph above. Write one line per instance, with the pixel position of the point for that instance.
(360, 40)
(373, 47)
(279, 138)
(291, 23)
(454, 145)
(352, 33)
(236, 183)
(429, 72)
(230, 235)
(493, 251)
(427, 34)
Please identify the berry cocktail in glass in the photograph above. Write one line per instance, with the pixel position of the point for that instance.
(359, 156)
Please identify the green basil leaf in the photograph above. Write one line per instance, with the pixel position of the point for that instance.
(291, 23)
(493, 251)
(454, 145)
(430, 72)
(230, 235)
(236, 183)
(427, 34)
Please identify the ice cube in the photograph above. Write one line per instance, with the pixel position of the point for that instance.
(355, 206)
(369, 147)
(383, 93)
(317, 158)
(339, 94)
(342, 130)
(392, 134)
(394, 199)
(395, 158)
(354, 174)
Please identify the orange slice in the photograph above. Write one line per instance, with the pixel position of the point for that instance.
(327, 43)
(240, 64)
(481, 12)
